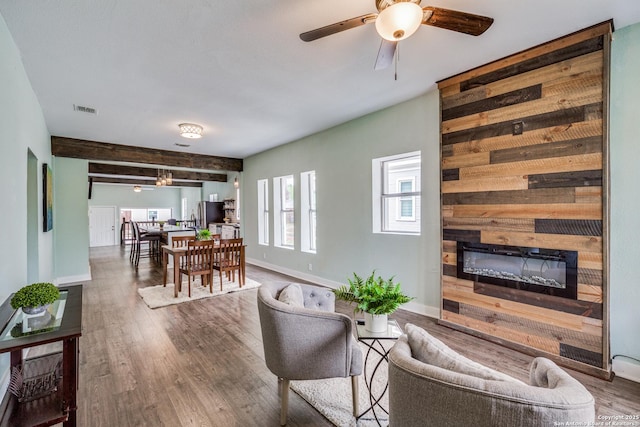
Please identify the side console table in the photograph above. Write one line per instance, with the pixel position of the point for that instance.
(375, 343)
(63, 323)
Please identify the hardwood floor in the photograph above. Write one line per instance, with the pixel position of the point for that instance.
(201, 363)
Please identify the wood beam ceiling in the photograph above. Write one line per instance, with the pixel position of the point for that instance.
(92, 150)
(136, 171)
(132, 181)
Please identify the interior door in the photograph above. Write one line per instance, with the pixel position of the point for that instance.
(102, 226)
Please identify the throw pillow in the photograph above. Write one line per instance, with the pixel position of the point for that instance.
(432, 351)
(292, 295)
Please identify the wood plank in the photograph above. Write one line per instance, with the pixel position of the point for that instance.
(449, 270)
(461, 235)
(589, 194)
(452, 306)
(533, 328)
(450, 174)
(536, 196)
(92, 150)
(519, 182)
(568, 226)
(538, 314)
(591, 260)
(136, 171)
(582, 66)
(590, 293)
(465, 160)
(565, 117)
(581, 162)
(584, 178)
(544, 151)
(496, 224)
(556, 211)
(589, 276)
(559, 43)
(513, 97)
(582, 355)
(147, 182)
(535, 62)
(520, 112)
(548, 241)
(449, 258)
(546, 345)
(533, 137)
(466, 97)
(566, 305)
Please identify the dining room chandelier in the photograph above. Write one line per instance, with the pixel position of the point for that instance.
(164, 178)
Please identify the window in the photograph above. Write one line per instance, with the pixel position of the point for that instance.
(283, 203)
(184, 208)
(263, 212)
(308, 211)
(396, 194)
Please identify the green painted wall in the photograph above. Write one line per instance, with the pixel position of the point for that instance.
(625, 203)
(22, 129)
(71, 220)
(341, 157)
(123, 196)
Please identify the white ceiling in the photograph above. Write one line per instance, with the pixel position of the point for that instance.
(239, 69)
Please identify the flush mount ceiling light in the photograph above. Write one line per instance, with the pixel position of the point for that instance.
(137, 188)
(190, 130)
(399, 21)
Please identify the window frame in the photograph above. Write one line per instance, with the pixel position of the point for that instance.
(308, 212)
(263, 212)
(381, 213)
(280, 220)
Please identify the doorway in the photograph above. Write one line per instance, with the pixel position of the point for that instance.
(102, 226)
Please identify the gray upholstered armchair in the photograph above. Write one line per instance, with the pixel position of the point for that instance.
(305, 339)
(430, 384)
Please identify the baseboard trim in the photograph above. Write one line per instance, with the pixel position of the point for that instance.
(626, 370)
(414, 307)
(72, 279)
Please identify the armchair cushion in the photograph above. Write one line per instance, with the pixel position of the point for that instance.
(292, 295)
(431, 350)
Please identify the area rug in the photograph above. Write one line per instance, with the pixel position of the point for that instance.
(161, 296)
(332, 397)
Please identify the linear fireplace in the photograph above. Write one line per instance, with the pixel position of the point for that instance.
(548, 271)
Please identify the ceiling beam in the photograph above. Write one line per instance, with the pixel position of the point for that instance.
(109, 169)
(92, 150)
(129, 181)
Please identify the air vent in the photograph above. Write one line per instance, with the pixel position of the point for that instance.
(84, 109)
(182, 145)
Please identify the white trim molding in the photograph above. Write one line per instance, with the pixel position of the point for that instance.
(626, 370)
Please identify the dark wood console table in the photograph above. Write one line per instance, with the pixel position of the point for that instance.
(60, 406)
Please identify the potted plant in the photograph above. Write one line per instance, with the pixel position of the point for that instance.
(374, 296)
(204, 234)
(161, 224)
(35, 298)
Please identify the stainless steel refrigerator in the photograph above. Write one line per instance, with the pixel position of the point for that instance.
(210, 212)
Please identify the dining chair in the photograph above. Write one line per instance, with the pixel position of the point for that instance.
(228, 260)
(176, 242)
(153, 241)
(198, 261)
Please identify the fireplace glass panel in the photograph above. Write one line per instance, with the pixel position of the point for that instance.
(549, 271)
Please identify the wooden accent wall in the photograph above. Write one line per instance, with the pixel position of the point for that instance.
(524, 163)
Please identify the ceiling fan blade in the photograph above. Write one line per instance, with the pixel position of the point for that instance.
(385, 54)
(338, 27)
(454, 20)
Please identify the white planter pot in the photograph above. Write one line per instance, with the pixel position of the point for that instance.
(375, 322)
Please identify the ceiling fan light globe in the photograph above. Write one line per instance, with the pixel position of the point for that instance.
(399, 21)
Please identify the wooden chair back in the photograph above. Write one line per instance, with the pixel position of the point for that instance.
(181, 241)
(228, 259)
(199, 257)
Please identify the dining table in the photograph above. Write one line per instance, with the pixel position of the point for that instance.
(177, 253)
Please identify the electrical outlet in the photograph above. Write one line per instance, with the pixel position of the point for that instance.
(310, 267)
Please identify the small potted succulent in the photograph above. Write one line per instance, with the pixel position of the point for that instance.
(374, 296)
(35, 298)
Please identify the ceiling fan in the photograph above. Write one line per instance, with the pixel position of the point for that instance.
(398, 19)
